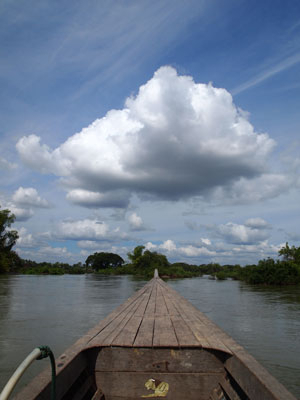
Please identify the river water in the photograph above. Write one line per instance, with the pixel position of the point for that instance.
(57, 310)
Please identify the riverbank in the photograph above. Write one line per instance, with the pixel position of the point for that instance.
(177, 270)
(143, 263)
(266, 272)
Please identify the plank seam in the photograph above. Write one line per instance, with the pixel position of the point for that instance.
(118, 314)
(143, 316)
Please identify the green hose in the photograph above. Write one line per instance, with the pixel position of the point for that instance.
(37, 354)
(47, 352)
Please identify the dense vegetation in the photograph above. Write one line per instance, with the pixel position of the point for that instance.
(143, 262)
(8, 258)
(99, 261)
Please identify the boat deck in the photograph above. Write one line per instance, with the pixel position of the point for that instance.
(157, 316)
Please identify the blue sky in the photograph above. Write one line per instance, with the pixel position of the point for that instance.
(169, 124)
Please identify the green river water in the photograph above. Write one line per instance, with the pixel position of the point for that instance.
(57, 310)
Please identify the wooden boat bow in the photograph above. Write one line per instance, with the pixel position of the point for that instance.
(157, 338)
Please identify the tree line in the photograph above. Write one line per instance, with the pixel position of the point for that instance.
(143, 262)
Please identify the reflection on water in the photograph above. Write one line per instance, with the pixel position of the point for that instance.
(57, 310)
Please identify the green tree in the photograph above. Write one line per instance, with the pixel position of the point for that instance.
(290, 253)
(148, 259)
(104, 260)
(136, 255)
(8, 239)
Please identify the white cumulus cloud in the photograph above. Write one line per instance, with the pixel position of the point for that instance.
(253, 231)
(21, 214)
(29, 197)
(173, 140)
(189, 250)
(88, 230)
(136, 223)
(25, 239)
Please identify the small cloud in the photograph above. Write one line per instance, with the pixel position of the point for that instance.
(150, 246)
(85, 229)
(263, 249)
(253, 231)
(189, 250)
(21, 214)
(206, 241)
(91, 245)
(48, 253)
(55, 252)
(86, 198)
(25, 239)
(6, 165)
(88, 230)
(192, 251)
(136, 223)
(29, 197)
(257, 223)
(168, 245)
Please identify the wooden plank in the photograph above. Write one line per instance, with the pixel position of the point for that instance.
(195, 337)
(160, 304)
(228, 389)
(164, 334)
(208, 336)
(158, 360)
(217, 336)
(117, 312)
(142, 307)
(108, 334)
(194, 326)
(128, 333)
(88, 383)
(170, 303)
(150, 309)
(144, 336)
(131, 385)
(256, 382)
(183, 333)
(211, 336)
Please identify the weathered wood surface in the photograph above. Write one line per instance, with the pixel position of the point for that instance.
(131, 385)
(192, 373)
(158, 360)
(157, 316)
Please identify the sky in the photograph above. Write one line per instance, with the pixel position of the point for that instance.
(168, 124)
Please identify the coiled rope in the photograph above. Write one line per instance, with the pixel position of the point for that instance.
(37, 354)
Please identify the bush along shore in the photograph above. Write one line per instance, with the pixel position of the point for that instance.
(143, 262)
